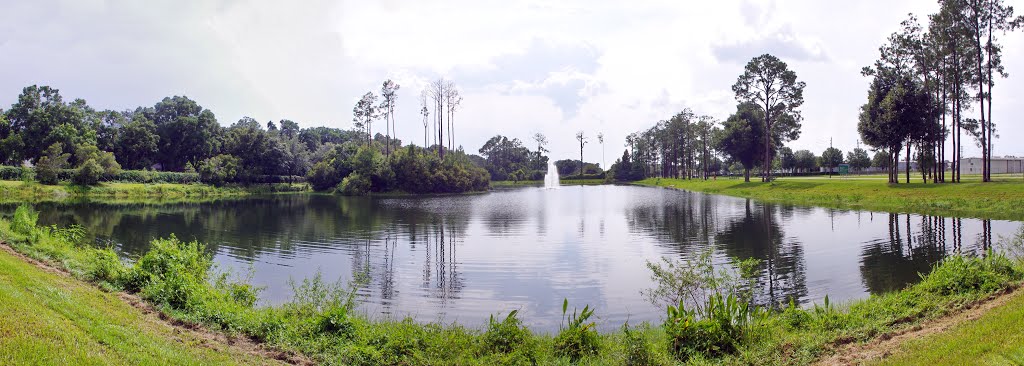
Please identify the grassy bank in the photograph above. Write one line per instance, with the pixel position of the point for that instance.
(1003, 199)
(16, 191)
(995, 338)
(321, 323)
(50, 319)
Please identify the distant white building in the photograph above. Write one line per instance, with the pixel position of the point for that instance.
(1000, 165)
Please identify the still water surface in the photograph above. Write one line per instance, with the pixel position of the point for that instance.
(461, 258)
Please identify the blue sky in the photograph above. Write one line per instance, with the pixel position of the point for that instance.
(522, 66)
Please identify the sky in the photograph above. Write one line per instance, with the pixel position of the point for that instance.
(613, 67)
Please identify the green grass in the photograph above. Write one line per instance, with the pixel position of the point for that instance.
(995, 338)
(1001, 199)
(51, 319)
(16, 191)
(320, 322)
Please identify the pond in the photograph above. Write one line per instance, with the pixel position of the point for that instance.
(462, 258)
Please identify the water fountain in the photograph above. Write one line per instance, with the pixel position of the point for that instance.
(551, 179)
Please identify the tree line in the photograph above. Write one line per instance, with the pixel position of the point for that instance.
(690, 146)
(177, 134)
(926, 83)
(924, 86)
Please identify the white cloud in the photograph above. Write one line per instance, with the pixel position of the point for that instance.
(523, 66)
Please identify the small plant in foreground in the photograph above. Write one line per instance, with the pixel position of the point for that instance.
(505, 336)
(715, 331)
(639, 350)
(172, 272)
(24, 221)
(578, 338)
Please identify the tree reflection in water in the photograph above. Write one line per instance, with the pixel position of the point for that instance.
(899, 262)
(529, 248)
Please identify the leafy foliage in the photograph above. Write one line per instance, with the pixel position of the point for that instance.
(94, 165)
(505, 336)
(577, 338)
(49, 166)
(715, 330)
(219, 169)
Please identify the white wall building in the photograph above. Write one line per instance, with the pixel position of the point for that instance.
(1000, 165)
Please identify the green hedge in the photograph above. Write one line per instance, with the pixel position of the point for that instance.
(584, 176)
(148, 176)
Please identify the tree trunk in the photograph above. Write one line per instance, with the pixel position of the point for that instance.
(989, 96)
(746, 174)
(981, 99)
(908, 162)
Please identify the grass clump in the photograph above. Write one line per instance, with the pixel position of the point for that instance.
(577, 338)
(720, 328)
(639, 349)
(504, 336)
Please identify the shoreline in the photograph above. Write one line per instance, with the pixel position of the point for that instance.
(797, 335)
(1001, 200)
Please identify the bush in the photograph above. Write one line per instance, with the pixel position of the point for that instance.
(219, 169)
(144, 176)
(335, 320)
(970, 275)
(10, 172)
(172, 273)
(638, 347)
(106, 267)
(49, 166)
(354, 185)
(714, 331)
(93, 165)
(24, 221)
(505, 336)
(578, 338)
(88, 173)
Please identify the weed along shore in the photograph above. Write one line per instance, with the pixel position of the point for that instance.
(1002, 199)
(320, 323)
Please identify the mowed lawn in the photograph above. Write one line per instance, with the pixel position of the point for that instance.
(1000, 199)
(51, 319)
(996, 338)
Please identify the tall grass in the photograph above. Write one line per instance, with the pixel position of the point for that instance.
(321, 321)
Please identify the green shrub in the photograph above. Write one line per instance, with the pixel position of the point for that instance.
(219, 169)
(144, 176)
(106, 267)
(714, 331)
(28, 176)
(969, 275)
(578, 338)
(8, 172)
(172, 273)
(505, 336)
(638, 347)
(94, 165)
(355, 185)
(24, 220)
(49, 166)
(335, 320)
(88, 173)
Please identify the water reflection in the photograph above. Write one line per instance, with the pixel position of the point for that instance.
(756, 234)
(461, 258)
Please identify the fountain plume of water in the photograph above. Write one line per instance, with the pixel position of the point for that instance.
(551, 179)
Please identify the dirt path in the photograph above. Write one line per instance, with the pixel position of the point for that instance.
(889, 343)
(192, 334)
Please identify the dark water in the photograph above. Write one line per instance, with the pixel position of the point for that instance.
(461, 258)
